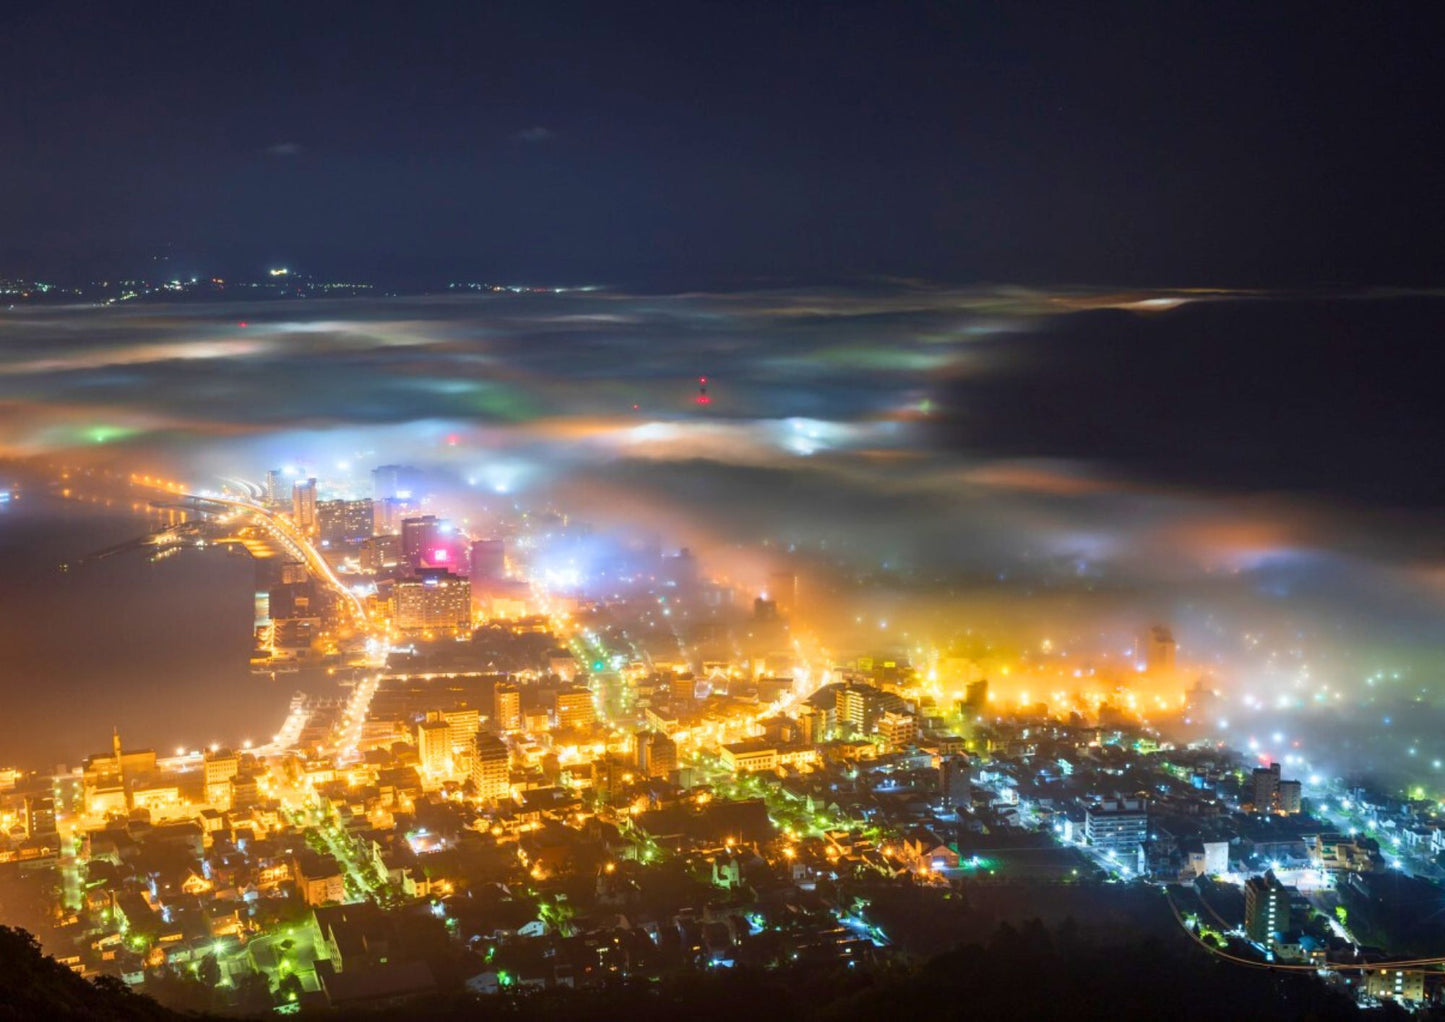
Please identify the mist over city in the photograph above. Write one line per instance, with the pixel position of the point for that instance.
(579, 513)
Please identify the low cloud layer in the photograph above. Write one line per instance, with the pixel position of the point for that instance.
(1203, 457)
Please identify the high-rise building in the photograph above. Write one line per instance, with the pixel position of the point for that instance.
(436, 600)
(343, 521)
(385, 479)
(1264, 788)
(380, 552)
(955, 781)
(1156, 650)
(897, 730)
(220, 766)
(491, 775)
(489, 560)
(434, 747)
(858, 707)
(507, 711)
(296, 611)
(419, 537)
(1266, 908)
(814, 724)
(655, 753)
(1201, 701)
(462, 727)
(975, 695)
(303, 507)
(245, 791)
(574, 708)
(1396, 984)
(1117, 825)
(387, 514)
(639, 748)
(275, 489)
(40, 815)
(1290, 797)
(395, 482)
(680, 571)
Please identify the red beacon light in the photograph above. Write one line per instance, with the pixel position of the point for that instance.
(702, 397)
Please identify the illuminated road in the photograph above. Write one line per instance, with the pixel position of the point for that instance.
(290, 538)
(1347, 817)
(281, 528)
(311, 814)
(297, 543)
(1189, 927)
(353, 719)
(286, 739)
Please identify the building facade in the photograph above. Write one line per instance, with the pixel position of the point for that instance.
(1266, 908)
(303, 507)
(573, 708)
(1117, 825)
(435, 601)
(491, 769)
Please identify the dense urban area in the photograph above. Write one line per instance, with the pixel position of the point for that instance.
(722, 512)
(519, 775)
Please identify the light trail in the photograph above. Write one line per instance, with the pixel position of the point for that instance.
(293, 539)
(1327, 966)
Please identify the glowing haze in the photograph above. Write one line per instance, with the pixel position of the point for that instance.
(1039, 466)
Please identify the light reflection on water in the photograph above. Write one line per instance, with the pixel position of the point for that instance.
(159, 650)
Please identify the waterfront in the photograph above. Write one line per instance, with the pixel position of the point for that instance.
(157, 649)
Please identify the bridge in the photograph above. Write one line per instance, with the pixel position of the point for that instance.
(193, 505)
(287, 536)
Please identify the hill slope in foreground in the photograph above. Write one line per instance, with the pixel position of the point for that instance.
(1021, 973)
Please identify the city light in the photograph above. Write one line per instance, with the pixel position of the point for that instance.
(773, 509)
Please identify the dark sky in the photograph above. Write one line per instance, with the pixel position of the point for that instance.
(1160, 144)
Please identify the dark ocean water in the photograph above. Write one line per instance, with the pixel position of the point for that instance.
(157, 649)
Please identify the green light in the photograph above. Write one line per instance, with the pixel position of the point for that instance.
(105, 434)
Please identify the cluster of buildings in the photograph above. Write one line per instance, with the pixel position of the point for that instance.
(477, 799)
(423, 577)
(658, 777)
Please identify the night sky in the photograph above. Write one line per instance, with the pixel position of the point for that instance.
(678, 145)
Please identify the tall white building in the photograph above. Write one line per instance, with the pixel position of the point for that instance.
(491, 768)
(434, 746)
(1117, 825)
